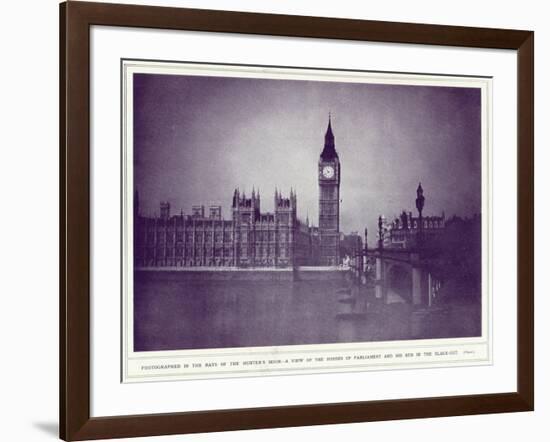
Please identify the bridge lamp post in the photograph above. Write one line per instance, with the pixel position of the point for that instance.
(380, 233)
(419, 206)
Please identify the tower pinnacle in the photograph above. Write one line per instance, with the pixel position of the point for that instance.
(329, 151)
(420, 199)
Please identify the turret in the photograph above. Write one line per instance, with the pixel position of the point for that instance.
(381, 225)
(165, 210)
(420, 199)
(293, 199)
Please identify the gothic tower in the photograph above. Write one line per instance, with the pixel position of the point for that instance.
(329, 201)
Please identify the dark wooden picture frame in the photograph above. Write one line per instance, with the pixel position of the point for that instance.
(75, 21)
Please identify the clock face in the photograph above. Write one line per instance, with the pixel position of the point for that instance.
(328, 171)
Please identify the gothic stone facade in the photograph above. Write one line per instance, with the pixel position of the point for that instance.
(403, 232)
(329, 201)
(250, 238)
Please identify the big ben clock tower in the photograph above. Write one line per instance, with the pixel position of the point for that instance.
(329, 201)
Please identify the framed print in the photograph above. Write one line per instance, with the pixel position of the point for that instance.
(274, 221)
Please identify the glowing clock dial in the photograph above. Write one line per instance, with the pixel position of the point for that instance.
(328, 171)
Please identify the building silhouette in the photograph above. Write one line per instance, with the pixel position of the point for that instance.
(406, 231)
(329, 201)
(251, 238)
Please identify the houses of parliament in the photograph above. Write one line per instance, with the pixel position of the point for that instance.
(251, 238)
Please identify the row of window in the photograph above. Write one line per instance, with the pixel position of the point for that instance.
(425, 223)
(212, 262)
(396, 236)
(188, 252)
(189, 225)
(328, 209)
(198, 237)
(328, 192)
(218, 238)
(153, 224)
(186, 262)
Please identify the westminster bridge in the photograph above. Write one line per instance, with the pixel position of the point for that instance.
(398, 275)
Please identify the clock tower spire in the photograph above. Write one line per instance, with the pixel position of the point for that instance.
(329, 151)
(329, 172)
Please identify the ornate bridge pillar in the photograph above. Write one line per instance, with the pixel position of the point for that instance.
(416, 286)
(420, 287)
(380, 287)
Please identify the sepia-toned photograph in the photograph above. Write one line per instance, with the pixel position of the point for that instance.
(280, 212)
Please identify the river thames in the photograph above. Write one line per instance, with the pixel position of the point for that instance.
(175, 312)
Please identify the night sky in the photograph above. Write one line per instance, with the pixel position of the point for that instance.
(197, 138)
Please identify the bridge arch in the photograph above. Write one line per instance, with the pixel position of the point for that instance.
(401, 277)
(398, 281)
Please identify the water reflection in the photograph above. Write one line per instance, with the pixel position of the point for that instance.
(172, 312)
